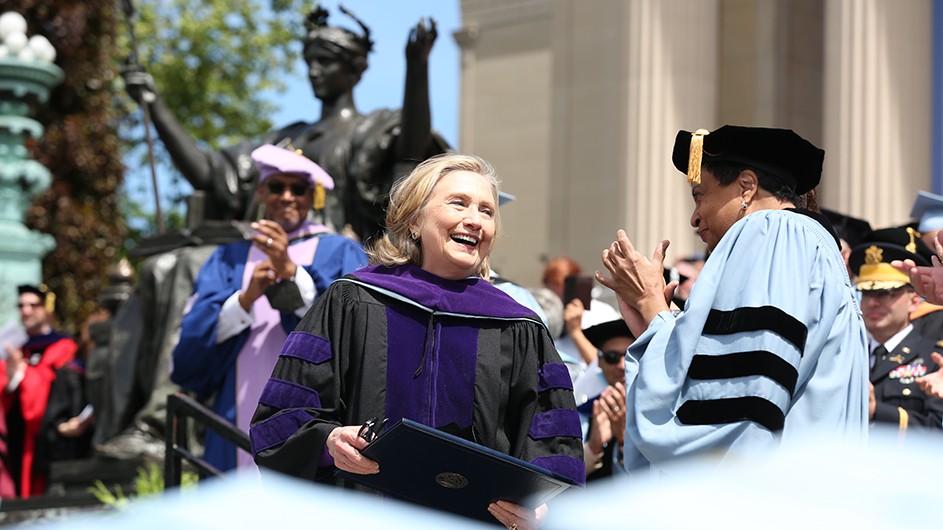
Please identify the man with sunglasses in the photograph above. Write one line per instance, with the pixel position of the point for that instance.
(26, 375)
(899, 354)
(251, 293)
(601, 394)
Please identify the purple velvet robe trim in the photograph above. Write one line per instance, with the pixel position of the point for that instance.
(307, 347)
(572, 468)
(277, 429)
(473, 296)
(555, 422)
(326, 459)
(281, 394)
(443, 393)
(553, 376)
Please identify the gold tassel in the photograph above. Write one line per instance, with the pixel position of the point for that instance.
(50, 298)
(319, 197)
(912, 246)
(695, 156)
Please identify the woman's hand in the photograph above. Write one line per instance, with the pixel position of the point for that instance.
(517, 517)
(639, 282)
(344, 445)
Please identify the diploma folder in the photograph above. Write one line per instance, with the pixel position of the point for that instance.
(439, 470)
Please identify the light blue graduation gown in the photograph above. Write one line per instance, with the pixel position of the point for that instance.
(771, 346)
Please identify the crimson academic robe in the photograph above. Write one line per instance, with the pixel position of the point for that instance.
(460, 356)
(26, 405)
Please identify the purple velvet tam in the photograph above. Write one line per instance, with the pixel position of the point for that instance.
(272, 160)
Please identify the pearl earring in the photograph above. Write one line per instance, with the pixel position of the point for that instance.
(743, 205)
(414, 236)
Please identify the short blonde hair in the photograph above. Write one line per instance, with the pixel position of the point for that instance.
(409, 197)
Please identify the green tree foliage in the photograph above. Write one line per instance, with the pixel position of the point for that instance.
(211, 59)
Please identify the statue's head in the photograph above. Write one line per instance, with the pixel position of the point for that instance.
(352, 48)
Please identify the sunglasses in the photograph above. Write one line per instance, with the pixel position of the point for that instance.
(612, 357)
(886, 295)
(371, 429)
(277, 188)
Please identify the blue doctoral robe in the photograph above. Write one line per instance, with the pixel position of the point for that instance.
(209, 369)
(771, 345)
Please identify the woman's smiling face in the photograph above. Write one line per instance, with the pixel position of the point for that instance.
(456, 227)
(716, 208)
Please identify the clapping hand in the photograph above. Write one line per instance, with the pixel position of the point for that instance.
(927, 281)
(932, 384)
(272, 239)
(638, 281)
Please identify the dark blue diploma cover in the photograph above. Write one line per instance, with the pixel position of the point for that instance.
(429, 467)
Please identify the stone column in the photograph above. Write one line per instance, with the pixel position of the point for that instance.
(26, 77)
(877, 107)
(672, 57)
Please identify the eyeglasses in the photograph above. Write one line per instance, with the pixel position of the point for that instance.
(611, 356)
(277, 188)
(371, 429)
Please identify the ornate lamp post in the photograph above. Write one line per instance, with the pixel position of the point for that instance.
(27, 75)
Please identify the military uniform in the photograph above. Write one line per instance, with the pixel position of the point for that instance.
(900, 401)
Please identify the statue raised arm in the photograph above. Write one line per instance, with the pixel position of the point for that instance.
(364, 153)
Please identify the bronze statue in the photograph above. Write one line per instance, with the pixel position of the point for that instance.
(364, 153)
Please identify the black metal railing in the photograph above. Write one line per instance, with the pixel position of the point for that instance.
(180, 408)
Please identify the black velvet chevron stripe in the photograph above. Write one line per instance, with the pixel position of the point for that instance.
(730, 410)
(755, 319)
(744, 364)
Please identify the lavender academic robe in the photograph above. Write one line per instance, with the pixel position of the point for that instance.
(460, 356)
(210, 369)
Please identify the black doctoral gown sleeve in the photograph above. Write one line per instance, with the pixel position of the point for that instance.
(301, 403)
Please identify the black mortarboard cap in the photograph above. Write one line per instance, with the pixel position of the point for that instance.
(871, 260)
(45, 295)
(851, 229)
(604, 331)
(25, 288)
(779, 152)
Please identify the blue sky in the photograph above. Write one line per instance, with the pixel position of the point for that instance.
(382, 83)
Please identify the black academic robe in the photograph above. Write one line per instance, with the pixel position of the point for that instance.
(460, 356)
(929, 323)
(899, 399)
